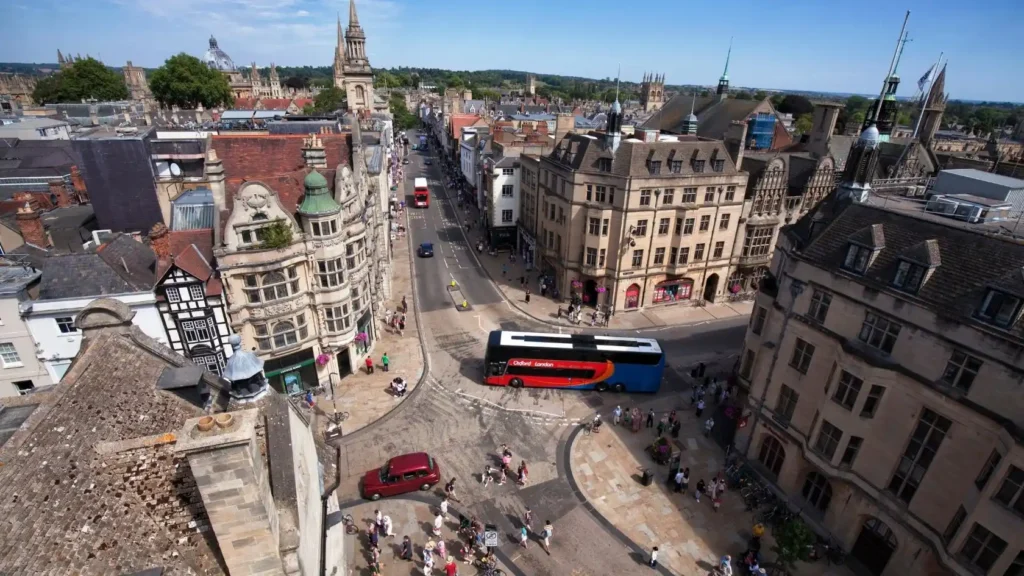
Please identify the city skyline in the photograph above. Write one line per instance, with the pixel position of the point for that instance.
(771, 50)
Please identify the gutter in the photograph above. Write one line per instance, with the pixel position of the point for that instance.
(328, 490)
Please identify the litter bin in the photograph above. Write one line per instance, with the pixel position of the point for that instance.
(648, 477)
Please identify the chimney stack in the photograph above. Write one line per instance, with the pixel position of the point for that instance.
(825, 116)
(564, 123)
(78, 183)
(736, 141)
(59, 193)
(313, 152)
(228, 469)
(30, 223)
(160, 241)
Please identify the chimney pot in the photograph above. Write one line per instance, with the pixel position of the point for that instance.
(205, 424)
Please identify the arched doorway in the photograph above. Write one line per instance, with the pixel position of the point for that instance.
(772, 454)
(590, 293)
(633, 297)
(874, 546)
(710, 287)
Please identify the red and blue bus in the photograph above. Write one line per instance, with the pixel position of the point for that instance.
(576, 361)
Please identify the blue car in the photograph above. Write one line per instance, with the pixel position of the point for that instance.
(426, 250)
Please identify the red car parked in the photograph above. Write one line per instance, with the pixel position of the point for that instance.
(401, 474)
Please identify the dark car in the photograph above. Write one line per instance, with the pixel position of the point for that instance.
(401, 474)
(426, 250)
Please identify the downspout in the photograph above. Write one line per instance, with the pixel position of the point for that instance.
(796, 287)
(622, 236)
(323, 506)
(650, 248)
(711, 247)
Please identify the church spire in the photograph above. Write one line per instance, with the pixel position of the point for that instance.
(341, 37)
(353, 18)
(723, 82)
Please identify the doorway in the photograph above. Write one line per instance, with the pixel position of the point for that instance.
(344, 362)
(874, 546)
(590, 293)
(633, 297)
(710, 288)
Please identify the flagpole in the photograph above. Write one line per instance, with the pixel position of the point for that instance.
(924, 95)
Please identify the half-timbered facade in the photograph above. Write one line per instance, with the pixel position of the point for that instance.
(191, 303)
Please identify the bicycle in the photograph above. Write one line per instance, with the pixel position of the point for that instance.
(350, 524)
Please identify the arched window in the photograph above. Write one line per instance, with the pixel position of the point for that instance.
(735, 282)
(633, 296)
(817, 490)
(360, 94)
(271, 286)
(772, 454)
(284, 334)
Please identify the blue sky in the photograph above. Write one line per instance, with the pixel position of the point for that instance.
(826, 45)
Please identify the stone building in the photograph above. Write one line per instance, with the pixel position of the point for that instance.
(879, 380)
(352, 72)
(135, 80)
(629, 224)
(252, 86)
(297, 252)
(652, 92)
(16, 89)
(171, 470)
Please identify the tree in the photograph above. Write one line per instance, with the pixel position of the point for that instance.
(404, 120)
(309, 110)
(804, 123)
(383, 79)
(297, 82)
(487, 94)
(84, 80)
(743, 96)
(186, 82)
(795, 105)
(760, 95)
(277, 235)
(792, 544)
(329, 100)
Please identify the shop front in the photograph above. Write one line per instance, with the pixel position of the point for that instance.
(292, 374)
(632, 297)
(527, 248)
(364, 333)
(502, 237)
(672, 290)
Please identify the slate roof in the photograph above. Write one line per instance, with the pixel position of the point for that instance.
(21, 158)
(581, 152)
(714, 116)
(969, 259)
(120, 266)
(90, 484)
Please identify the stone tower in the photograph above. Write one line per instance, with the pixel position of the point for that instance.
(531, 84)
(934, 107)
(358, 76)
(723, 82)
(339, 59)
(275, 83)
(652, 92)
(135, 80)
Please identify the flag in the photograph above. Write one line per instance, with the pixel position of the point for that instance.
(926, 78)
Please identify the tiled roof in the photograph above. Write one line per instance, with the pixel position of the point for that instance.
(36, 157)
(276, 160)
(245, 104)
(275, 103)
(120, 266)
(303, 102)
(581, 152)
(90, 484)
(460, 121)
(970, 261)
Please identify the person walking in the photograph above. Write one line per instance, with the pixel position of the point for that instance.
(661, 427)
(708, 426)
(524, 472)
(438, 524)
(374, 536)
(524, 535)
(386, 521)
(378, 519)
(406, 549)
(369, 365)
(617, 415)
(527, 295)
(650, 419)
(449, 490)
(401, 325)
(451, 568)
(387, 361)
(700, 407)
(428, 558)
(486, 477)
(528, 519)
(686, 479)
(654, 558)
(679, 480)
(444, 507)
(676, 427)
(636, 419)
(546, 535)
(701, 486)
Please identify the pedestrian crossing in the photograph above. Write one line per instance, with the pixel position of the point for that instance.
(492, 410)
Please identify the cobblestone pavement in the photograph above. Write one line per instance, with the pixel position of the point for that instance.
(367, 397)
(506, 277)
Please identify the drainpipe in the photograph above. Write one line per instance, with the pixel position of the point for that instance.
(622, 237)
(325, 497)
(796, 287)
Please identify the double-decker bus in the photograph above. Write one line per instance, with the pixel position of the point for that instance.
(420, 193)
(575, 361)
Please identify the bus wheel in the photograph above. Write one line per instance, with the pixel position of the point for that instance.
(601, 387)
(619, 387)
(516, 383)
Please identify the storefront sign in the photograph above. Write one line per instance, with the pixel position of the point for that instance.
(673, 291)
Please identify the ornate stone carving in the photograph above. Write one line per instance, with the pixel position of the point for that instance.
(277, 308)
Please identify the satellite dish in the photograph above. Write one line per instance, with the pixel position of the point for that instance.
(175, 169)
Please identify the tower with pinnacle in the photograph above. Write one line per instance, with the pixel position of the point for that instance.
(352, 72)
(934, 107)
(723, 82)
(652, 92)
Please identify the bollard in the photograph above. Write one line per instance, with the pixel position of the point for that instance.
(465, 304)
(453, 283)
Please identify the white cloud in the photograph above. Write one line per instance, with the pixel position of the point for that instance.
(302, 13)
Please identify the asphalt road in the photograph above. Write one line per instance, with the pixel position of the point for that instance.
(462, 423)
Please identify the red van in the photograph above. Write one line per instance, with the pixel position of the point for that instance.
(401, 474)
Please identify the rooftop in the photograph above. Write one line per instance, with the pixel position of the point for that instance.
(14, 278)
(998, 179)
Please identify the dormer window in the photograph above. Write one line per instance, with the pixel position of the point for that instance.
(654, 167)
(676, 166)
(698, 166)
(718, 165)
(604, 164)
(909, 276)
(999, 308)
(857, 258)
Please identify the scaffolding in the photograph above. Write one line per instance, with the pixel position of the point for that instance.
(761, 130)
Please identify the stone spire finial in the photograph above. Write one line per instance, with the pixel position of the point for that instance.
(353, 18)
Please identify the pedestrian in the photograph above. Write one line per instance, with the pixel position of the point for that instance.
(523, 536)
(428, 557)
(405, 305)
(438, 524)
(387, 527)
(700, 407)
(636, 419)
(369, 365)
(449, 490)
(528, 519)
(386, 361)
(701, 486)
(527, 295)
(401, 325)
(725, 565)
(654, 558)
(451, 568)
(378, 519)
(650, 419)
(672, 417)
(501, 475)
(522, 281)
(523, 473)
(374, 536)
(693, 396)
(486, 477)
(686, 479)
(675, 428)
(546, 535)
(444, 507)
(716, 501)
(440, 550)
(679, 480)
(406, 549)
(661, 428)
(708, 426)
(617, 415)
(713, 389)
